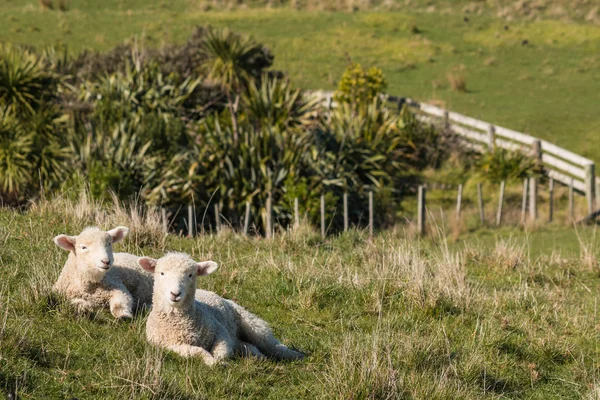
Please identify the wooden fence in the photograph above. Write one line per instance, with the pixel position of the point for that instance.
(559, 164)
(529, 211)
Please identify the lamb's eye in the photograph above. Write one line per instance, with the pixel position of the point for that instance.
(83, 247)
(162, 273)
(190, 275)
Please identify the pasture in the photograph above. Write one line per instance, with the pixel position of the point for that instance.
(500, 314)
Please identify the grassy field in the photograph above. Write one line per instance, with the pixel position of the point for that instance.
(506, 314)
(532, 70)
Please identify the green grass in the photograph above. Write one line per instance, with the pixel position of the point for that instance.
(502, 314)
(546, 87)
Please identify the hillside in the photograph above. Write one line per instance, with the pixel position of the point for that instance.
(536, 71)
(504, 314)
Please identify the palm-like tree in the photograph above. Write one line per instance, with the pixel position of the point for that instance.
(230, 62)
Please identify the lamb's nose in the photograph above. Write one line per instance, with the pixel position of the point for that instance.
(105, 261)
(175, 294)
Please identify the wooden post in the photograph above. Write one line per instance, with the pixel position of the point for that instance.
(533, 199)
(524, 202)
(590, 179)
(446, 121)
(459, 201)
(500, 204)
(323, 216)
(247, 218)
(550, 200)
(371, 213)
(269, 227)
(491, 138)
(345, 211)
(165, 222)
(190, 220)
(296, 213)
(421, 210)
(217, 217)
(571, 202)
(480, 202)
(536, 149)
(597, 193)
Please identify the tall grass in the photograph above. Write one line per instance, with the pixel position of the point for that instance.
(380, 318)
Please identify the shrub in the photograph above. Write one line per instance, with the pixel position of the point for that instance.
(26, 83)
(501, 165)
(360, 86)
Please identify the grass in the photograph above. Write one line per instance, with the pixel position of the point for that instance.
(504, 314)
(532, 69)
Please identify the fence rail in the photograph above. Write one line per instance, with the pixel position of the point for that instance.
(559, 164)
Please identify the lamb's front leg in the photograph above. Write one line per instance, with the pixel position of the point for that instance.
(223, 347)
(82, 306)
(121, 303)
(186, 350)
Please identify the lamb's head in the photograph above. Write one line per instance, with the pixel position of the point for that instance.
(175, 276)
(92, 248)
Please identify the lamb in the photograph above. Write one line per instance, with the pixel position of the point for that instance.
(94, 278)
(199, 323)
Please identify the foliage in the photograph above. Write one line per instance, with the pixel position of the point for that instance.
(360, 86)
(16, 146)
(230, 60)
(500, 165)
(25, 82)
(275, 102)
(125, 124)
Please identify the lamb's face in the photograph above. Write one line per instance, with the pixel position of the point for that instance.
(92, 249)
(175, 276)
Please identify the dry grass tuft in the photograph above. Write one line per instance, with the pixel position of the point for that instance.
(47, 4)
(145, 224)
(457, 80)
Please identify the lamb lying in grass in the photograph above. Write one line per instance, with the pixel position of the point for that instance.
(93, 277)
(201, 323)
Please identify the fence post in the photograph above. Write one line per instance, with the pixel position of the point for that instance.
(500, 204)
(524, 202)
(597, 193)
(247, 218)
(533, 199)
(551, 199)
(190, 220)
(536, 149)
(217, 217)
(590, 179)
(345, 211)
(459, 201)
(421, 210)
(165, 222)
(323, 216)
(269, 227)
(371, 213)
(296, 213)
(480, 202)
(571, 202)
(446, 120)
(491, 138)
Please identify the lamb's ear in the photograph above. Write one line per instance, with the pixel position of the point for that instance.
(118, 233)
(206, 267)
(65, 242)
(147, 264)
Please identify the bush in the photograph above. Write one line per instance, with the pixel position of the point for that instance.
(360, 86)
(501, 165)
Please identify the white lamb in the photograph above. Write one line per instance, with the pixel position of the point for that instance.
(201, 323)
(93, 277)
